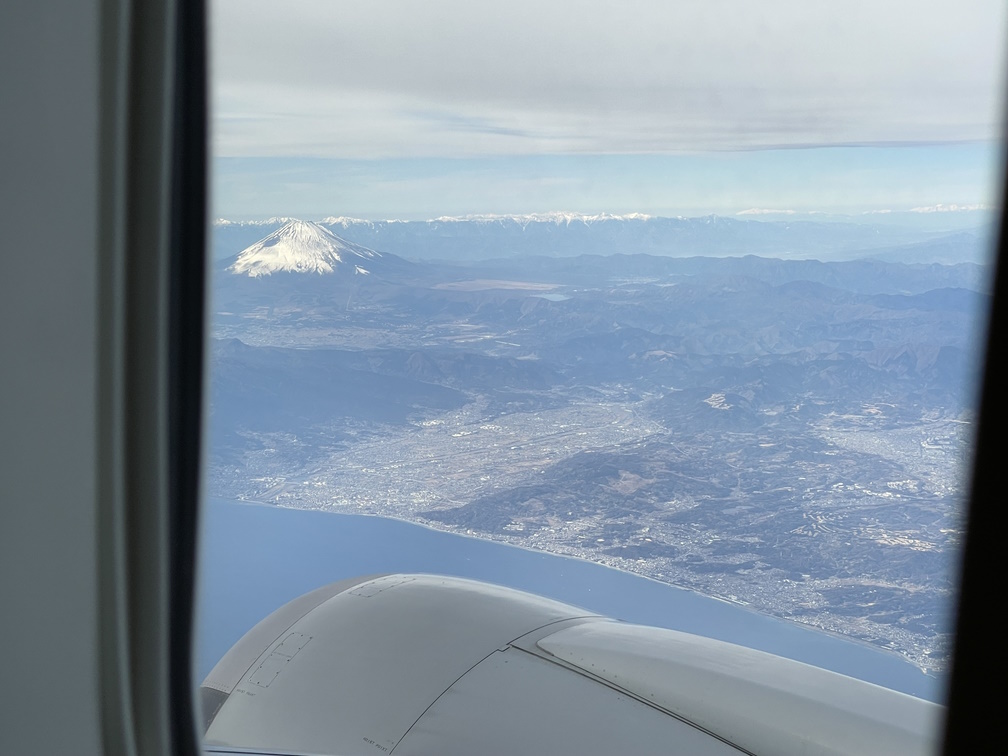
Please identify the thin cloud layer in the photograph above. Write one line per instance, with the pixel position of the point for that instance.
(454, 78)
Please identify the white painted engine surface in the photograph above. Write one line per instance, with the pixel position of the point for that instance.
(419, 664)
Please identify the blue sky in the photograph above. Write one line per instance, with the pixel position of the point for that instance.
(413, 110)
(843, 180)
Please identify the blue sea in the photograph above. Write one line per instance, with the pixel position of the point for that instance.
(254, 558)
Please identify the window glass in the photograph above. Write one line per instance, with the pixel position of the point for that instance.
(669, 311)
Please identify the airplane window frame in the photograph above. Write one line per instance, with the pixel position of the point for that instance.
(187, 273)
(970, 715)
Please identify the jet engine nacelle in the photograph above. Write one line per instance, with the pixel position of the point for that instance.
(419, 664)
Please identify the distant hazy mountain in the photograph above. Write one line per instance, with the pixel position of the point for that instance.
(964, 246)
(567, 235)
(864, 276)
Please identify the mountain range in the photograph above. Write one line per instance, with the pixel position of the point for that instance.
(567, 234)
(789, 433)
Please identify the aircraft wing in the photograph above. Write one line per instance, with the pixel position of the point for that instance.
(420, 664)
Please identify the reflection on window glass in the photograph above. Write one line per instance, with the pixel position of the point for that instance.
(685, 301)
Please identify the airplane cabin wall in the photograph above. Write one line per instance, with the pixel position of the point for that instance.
(49, 194)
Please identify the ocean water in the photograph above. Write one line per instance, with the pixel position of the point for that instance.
(254, 558)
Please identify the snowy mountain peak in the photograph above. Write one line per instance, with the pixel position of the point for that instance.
(302, 247)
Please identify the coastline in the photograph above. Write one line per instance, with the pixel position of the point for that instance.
(619, 593)
(740, 605)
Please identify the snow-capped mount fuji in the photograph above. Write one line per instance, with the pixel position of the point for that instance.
(304, 247)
